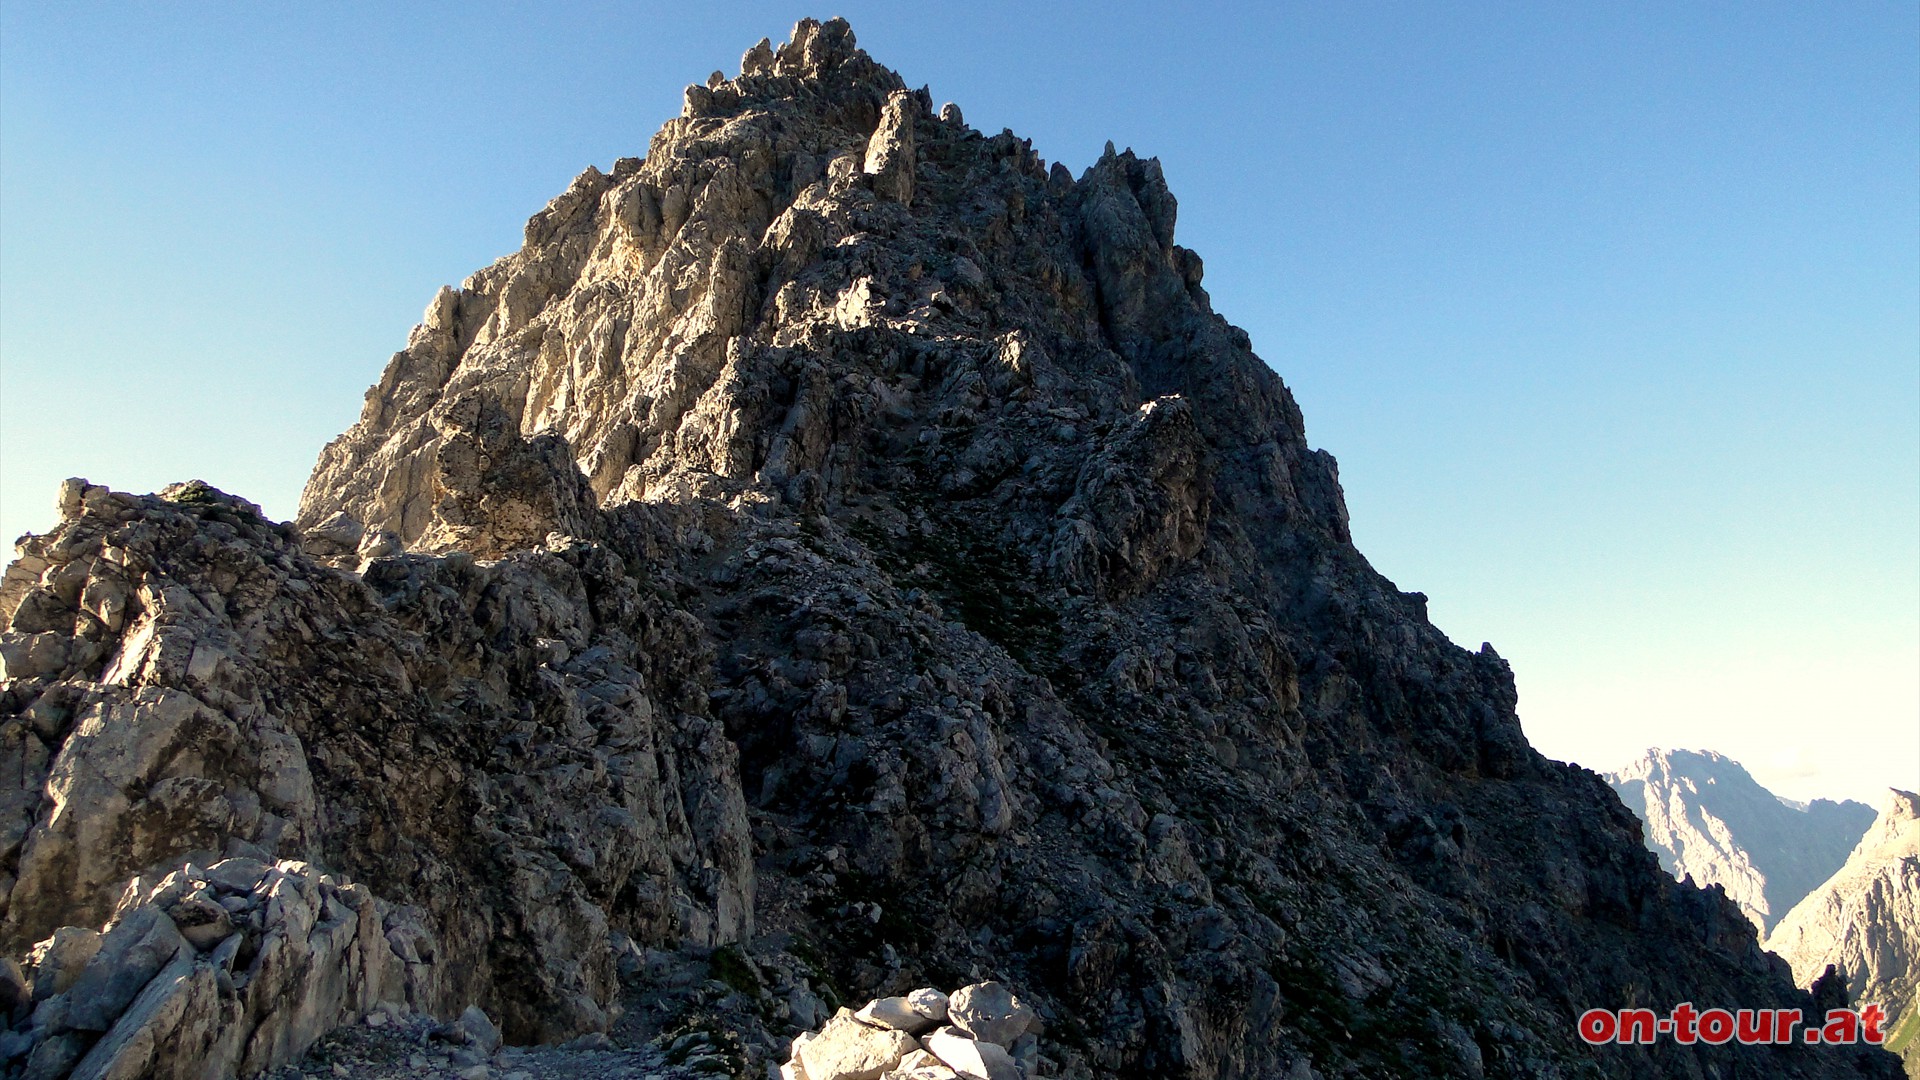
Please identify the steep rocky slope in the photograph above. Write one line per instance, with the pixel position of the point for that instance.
(845, 554)
(1866, 922)
(1708, 819)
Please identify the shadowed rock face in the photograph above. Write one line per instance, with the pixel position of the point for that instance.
(842, 535)
(1865, 921)
(1708, 819)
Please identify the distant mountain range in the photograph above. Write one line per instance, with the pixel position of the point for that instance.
(1866, 921)
(1707, 818)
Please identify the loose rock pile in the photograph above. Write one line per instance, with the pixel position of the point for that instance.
(981, 1031)
(208, 972)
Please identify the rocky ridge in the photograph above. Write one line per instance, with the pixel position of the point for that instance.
(1864, 923)
(1708, 819)
(839, 553)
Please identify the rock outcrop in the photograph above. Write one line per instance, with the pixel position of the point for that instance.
(1709, 820)
(216, 972)
(841, 553)
(1865, 924)
(502, 748)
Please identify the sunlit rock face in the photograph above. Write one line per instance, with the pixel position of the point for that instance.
(1865, 922)
(839, 554)
(1707, 819)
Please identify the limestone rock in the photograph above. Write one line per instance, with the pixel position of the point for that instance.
(237, 875)
(780, 580)
(336, 537)
(165, 749)
(917, 1012)
(151, 998)
(60, 959)
(989, 1012)
(849, 1043)
(1707, 818)
(929, 1003)
(847, 1049)
(474, 1028)
(16, 995)
(921, 1065)
(890, 158)
(1863, 925)
(1140, 504)
(130, 955)
(979, 1059)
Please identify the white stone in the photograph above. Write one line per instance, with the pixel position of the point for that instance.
(989, 1012)
(896, 1013)
(971, 1057)
(847, 1049)
(929, 1003)
(921, 1065)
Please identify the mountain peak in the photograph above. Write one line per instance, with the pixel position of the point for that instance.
(822, 55)
(838, 554)
(1864, 922)
(1705, 763)
(808, 250)
(1708, 818)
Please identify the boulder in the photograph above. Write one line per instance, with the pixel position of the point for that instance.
(59, 960)
(202, 920)
(236, 875)
(902, 1014)
(929, 1003)
(475, 1029)
(164, 992)
(921, 1065)
(989, 1012)
(130, 955)
(847, 1049)
(972, 1057)
(175, 1022)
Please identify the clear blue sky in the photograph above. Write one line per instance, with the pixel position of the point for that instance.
(1611, 313)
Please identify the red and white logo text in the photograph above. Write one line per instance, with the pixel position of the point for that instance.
(1687, 1026)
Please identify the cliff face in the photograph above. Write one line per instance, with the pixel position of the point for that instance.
(841, 538)
(1865, 921)
(1707, 818)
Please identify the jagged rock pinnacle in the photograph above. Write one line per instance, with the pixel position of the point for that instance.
(701, 322)
(838, 554)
